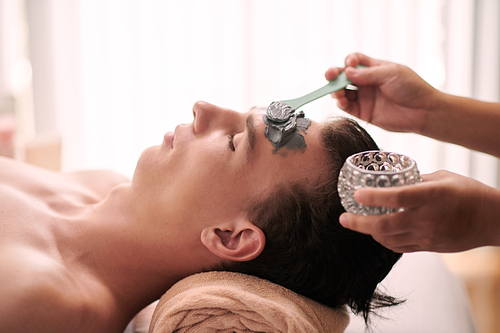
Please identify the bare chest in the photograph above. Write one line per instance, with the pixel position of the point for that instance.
(28, 219)
(32, 200)
(38, 293)
(38, 188)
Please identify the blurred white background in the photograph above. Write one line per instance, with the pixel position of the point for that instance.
(107, 78)
(110, 77)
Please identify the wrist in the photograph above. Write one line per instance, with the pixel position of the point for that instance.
(436, 113)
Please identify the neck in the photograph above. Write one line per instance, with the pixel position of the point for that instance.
(130, 259)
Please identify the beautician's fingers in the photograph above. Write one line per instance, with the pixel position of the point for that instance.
(355, 59)
(408, 196)
(343, 100)
(344, 97)
(339, 94)
(379, 226)
(333, 72)
(407, 248)
(394, 231)
(401, 243)
(402, 232)
(372, 76)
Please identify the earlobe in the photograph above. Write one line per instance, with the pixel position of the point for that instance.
(236, 241)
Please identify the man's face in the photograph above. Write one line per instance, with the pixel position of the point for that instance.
(211, 169)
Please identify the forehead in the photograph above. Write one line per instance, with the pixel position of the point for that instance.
(287, 165)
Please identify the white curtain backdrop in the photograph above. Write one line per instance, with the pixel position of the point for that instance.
(130, 70)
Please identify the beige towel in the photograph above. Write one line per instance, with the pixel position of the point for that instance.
(233, 302)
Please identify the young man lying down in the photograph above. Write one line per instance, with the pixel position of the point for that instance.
(86, 251)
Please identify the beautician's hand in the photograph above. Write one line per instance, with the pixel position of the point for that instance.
(445, 213)
(389, 95)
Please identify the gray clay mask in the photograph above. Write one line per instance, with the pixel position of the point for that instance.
(283, 125)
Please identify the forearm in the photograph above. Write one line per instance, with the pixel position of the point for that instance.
(467, 122)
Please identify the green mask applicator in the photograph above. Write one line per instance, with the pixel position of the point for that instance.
(283, 122)
(339, 83)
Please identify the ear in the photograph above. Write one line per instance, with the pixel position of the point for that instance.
(239, 240)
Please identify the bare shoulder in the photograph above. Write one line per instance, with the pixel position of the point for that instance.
(99, 181)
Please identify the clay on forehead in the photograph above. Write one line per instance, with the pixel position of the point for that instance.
(283, 126)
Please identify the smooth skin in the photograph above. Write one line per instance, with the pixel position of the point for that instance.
(446, 212)
(86, 251)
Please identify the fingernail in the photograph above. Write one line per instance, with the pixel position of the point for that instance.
(344, 220)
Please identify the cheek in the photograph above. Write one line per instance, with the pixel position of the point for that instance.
(192, 162)
(211, 199)
(206, 179)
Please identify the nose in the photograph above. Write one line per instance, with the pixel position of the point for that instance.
(208, 116)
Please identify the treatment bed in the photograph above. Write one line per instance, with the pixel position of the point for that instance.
(436, 301)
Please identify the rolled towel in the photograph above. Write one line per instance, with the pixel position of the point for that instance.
(234, 302)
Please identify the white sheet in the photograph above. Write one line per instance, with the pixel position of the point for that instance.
(436, 300)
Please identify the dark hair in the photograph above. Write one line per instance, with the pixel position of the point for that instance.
(307, 250)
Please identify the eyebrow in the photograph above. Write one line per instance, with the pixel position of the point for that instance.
(250, 144)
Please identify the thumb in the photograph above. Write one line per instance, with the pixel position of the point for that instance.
(367, 76)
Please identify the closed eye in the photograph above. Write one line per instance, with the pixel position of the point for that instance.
(230, 143)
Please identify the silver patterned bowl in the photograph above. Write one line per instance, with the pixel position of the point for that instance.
(374, 169)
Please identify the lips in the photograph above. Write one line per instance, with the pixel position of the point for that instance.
(169, 139)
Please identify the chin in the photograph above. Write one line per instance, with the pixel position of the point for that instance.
(149, 157)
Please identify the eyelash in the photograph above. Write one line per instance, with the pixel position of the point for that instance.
(230, 143)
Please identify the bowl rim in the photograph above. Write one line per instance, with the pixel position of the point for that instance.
(410, 166)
